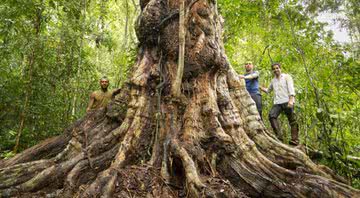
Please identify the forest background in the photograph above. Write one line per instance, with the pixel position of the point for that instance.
(53, 52)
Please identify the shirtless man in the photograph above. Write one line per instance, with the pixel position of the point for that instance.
(100, 98)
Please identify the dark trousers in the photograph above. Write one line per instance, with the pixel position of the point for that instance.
(290, 114)
(257, 99)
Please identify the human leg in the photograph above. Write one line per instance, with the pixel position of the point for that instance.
(273, 118)
(291, 116)
(258, 102)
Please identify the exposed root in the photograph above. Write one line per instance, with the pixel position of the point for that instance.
(44, 178)
(109, 188)
(96, 188)
(45, 150)
(20, 173)
(71, 182)
(192, 177)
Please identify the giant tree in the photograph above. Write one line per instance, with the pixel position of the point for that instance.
(172, 131)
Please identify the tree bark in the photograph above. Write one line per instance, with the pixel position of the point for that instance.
(210, 142)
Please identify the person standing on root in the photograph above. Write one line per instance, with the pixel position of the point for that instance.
(100, 98)
(252, 85)
(284, 99)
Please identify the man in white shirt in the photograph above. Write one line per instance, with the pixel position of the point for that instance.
(284, 99)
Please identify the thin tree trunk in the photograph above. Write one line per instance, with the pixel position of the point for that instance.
(77, 76)
(31, 63)
(24, 112)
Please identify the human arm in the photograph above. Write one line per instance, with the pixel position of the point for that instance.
(266, 90)
(291, 101)
(250, 76)
(91, 102)
(263, 89)
(116, 91)
(291, 91)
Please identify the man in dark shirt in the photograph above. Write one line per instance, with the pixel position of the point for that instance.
(252, 85)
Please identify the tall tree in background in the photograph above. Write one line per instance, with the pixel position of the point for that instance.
(153, 142)
(30, 62)
(56, 48)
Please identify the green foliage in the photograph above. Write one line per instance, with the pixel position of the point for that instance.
(325, 72)
(53, 53)
(7, 154)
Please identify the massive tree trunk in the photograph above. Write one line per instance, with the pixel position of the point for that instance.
(209, 141)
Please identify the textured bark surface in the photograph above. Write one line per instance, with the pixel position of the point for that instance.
(207, 142)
